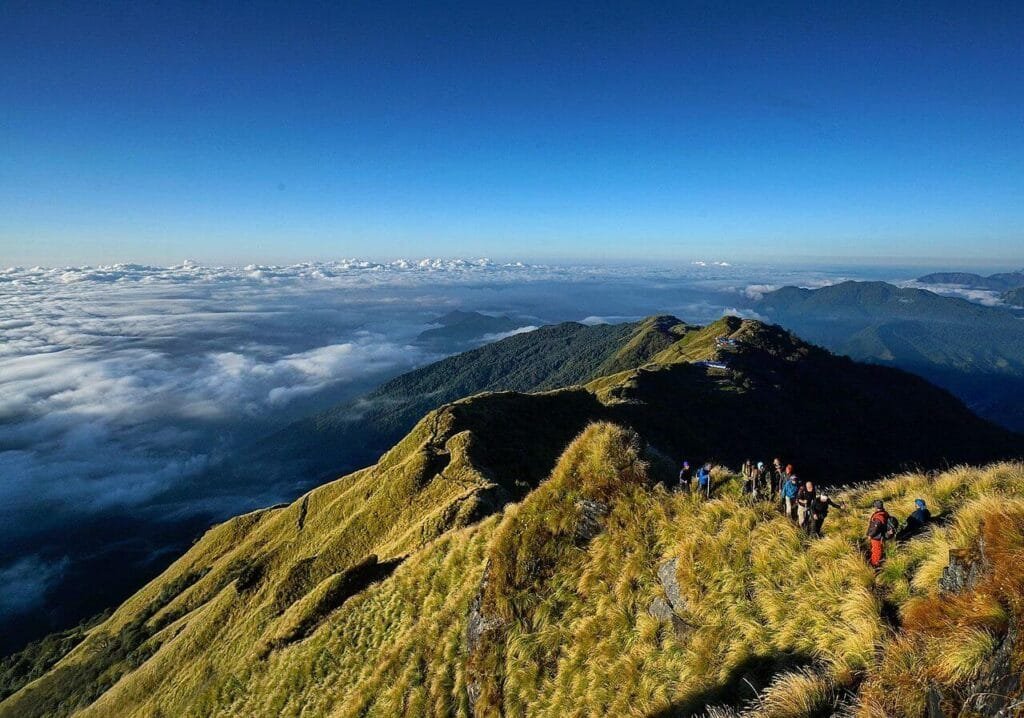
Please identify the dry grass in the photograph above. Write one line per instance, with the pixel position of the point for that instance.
(774, 624)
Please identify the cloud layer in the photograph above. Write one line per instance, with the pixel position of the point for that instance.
(126, 390)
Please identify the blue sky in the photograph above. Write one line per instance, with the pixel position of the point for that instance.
(259, 132)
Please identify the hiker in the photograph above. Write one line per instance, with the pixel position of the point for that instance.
(789, 491)
(762, 482)
(819, 510)
(685, 477)
(704, 479)
(877, 527)
(778, 478)
(804, 497)
(916, 521)
(748, 477)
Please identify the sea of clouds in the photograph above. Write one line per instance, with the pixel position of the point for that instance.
(124, 389)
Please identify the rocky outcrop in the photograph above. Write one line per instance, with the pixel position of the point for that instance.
(993, 693)
(591, 513)
(669, 582)
(670, 608)
(965, 569)
(479, 626)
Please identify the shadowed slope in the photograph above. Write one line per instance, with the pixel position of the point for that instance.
(975, 351)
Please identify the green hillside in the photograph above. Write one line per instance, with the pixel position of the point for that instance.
(976, 352)
(355, 433)
(515, 554)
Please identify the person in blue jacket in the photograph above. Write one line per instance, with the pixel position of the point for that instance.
(916, 521)
(789, 491)
(704, 479)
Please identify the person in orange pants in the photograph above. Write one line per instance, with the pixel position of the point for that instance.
(877, 525)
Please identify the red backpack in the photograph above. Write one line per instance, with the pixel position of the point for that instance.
(878, 523)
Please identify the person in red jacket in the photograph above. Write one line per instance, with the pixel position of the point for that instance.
(877, 526)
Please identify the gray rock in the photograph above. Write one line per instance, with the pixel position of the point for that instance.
(660, 609)
(590, 520)
(478, 625)
(991, 694)
(667, 576)
(965, 569)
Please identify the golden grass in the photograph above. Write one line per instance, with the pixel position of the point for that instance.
(772, 622)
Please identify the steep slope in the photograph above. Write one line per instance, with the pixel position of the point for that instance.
(354, 434)
(976, 352)
(600, 594)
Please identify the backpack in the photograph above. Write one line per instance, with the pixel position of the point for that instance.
(892, 525)
(878, 525)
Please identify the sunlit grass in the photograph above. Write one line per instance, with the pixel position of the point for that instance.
(771, 623)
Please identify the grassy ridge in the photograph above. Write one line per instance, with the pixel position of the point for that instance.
(771, 624)
(415, 587)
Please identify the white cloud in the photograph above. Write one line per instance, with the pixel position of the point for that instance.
(498, 336)
(757, 291)
(985, 297)
(743, 314)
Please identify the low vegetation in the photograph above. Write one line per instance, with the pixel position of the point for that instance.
(520, 554)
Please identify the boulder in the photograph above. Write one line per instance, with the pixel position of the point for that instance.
(669, 582)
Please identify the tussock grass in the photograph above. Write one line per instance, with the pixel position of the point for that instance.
(770, 622)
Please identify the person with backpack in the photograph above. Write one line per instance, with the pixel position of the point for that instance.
(778, 477)
(878, 528)
(804, 497)
(748, 477)
(819, 510)
(762, 484)
(704, 479)
(685, 477)
(789, 491)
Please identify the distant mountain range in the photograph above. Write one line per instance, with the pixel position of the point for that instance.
(463, 328)
(995, 282)
(1014, 297)
(975, 351)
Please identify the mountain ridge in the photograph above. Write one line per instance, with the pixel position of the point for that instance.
(427, 521)
(975, 351)
(998, 282)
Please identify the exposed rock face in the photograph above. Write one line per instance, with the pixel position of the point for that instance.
(589, 525)
(991, 694)
(479, 624)
(660, 609)
(667, 576)
(669, 610)
(965, 569)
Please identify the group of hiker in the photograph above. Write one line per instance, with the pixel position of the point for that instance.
(801, 502)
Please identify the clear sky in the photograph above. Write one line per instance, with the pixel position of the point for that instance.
(275, 132)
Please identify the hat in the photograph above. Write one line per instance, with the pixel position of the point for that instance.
(878, 504)
(760, 464)
(686, 464)
(919, 503)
